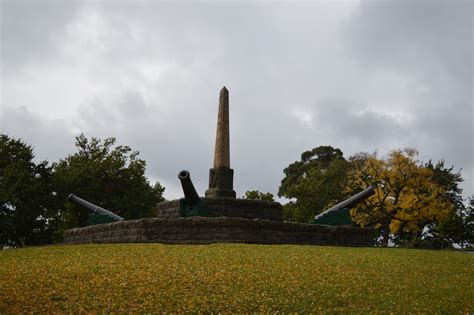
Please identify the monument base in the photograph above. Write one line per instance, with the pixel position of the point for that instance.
(204, 230)
(221, 183)
(225, 207)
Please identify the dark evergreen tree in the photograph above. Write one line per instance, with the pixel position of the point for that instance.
(27, 201)
(109, 176)
(314, 183)
(458, 228)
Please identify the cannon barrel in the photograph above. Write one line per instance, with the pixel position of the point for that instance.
(190, 194)
(353, 201)
(339, 214)
(93, 207)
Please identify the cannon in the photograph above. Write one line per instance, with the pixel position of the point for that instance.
(98, 215)
(191, 204)
(340, 213)
(190, 194)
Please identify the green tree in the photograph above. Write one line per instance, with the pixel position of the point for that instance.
(314, 183)
(257, 195)
(458, 228)
(455, 228)
(407, 198)
(450, 180)
(27, 200)
(110, 176)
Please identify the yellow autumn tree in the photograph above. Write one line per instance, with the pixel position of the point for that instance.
(406, 199)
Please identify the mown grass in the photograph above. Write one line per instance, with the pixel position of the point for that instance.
(231, 278)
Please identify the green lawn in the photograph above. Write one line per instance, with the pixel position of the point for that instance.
(232, 278)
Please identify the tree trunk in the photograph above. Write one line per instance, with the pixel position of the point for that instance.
(385, 233)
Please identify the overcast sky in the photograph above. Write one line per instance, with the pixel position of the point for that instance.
(357, 75)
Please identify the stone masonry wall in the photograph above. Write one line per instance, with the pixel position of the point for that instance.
(226, 207)
(168, 209)
(202, 230)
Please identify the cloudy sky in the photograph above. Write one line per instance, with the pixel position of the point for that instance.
(357, 75)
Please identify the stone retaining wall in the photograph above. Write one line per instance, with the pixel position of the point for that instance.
(202, 230)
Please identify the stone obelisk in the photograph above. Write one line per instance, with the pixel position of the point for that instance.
(221, 176)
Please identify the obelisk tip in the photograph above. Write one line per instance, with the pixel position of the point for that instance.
(224, 90)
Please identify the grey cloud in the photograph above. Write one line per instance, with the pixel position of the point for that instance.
(161, 65)
(432, 35)
(51, 139)
(446, 131)
(30, 30)
(371, 129)
(430, 41)
(168, 142)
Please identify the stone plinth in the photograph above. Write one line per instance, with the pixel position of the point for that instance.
(221, 183)
(226, 207)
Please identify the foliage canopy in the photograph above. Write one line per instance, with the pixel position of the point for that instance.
(33, 206)
(407, 196)
(27, 200)
(314, 183)
(110, 176)
(258, 195)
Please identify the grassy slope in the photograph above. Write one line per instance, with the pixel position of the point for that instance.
(235, 277)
